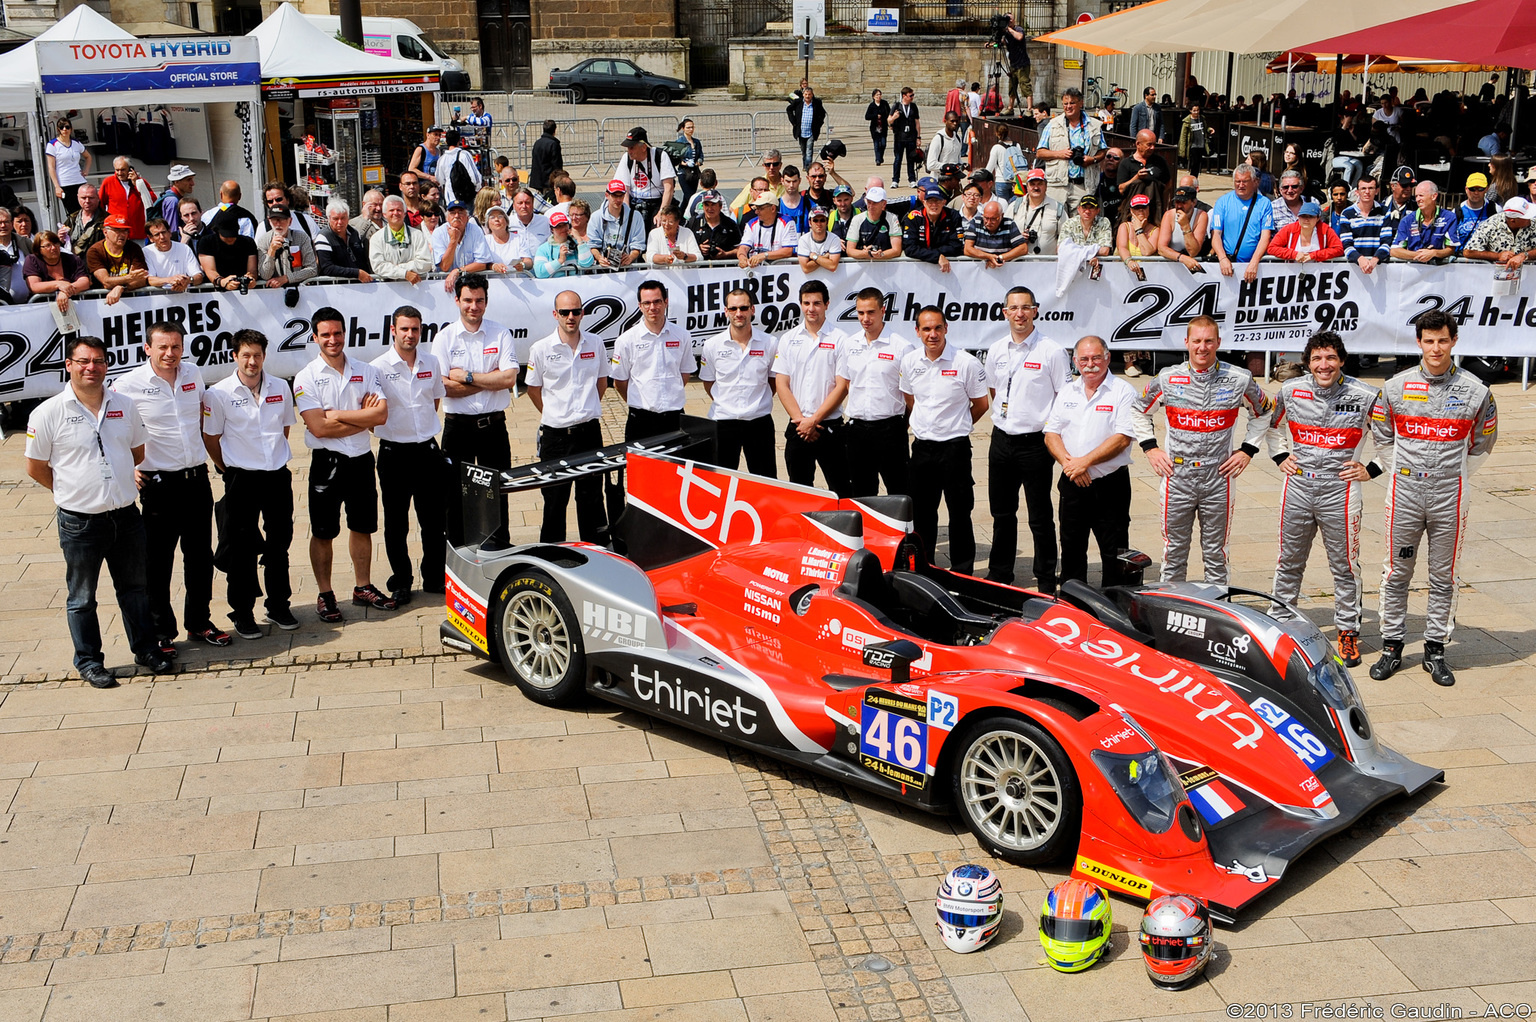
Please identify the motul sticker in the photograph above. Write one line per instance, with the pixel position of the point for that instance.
(674, 344)
(1304, 395)
(188, 386)
(493, 351)
(589, 354)
(1031, 365)
(1116, 878)
(755, 353)
(356, 379)
(826, 346)
(949, 372)
(1180, 379)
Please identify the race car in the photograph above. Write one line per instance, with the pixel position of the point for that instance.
(1168, 738)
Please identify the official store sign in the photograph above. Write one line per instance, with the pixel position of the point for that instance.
(133, 65)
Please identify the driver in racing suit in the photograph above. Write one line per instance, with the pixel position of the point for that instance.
(1201, 398)
(1439, 422)
(1329, 416)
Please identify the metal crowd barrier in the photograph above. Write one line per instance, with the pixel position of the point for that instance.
(659, 127)
(726, 136)
(581, 143)
(771, 130)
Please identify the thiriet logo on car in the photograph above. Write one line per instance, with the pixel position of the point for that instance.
(680, 699)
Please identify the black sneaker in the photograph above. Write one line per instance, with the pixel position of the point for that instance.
(283, 618)
(211, 634)
(156, 661)
(245, 626)
(326, 609)
(1434, 664)
(97, 676)
(402, 597)
(1391, 660)
(166, 646)
(370, 596)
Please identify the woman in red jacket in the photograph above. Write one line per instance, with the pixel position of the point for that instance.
(1308, 240)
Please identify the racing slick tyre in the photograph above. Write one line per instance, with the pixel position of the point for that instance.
(1017, 791)
(539, 640)
(660, 96)
(578, 94)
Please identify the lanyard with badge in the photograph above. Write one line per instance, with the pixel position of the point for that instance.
(1011, 365)
(101, 448)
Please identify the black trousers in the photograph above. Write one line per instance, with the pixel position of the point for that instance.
(876, 449)
(178, 509)
(1104, 508)
(255, 524)
(478, 440)
(591, 519)
(1014, 462)
(413, 472)
(942, 468)
(752, 437)
(643, 423)
(904, 147)
(802, 456)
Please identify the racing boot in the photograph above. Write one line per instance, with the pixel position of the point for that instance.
(1434, 663)
(1349, 648)
(1391, 660)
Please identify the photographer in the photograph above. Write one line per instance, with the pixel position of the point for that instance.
(1038, 215)
(284, 256)
(1014, 43)
(1072, 149)
(562, 255)
(228, 257)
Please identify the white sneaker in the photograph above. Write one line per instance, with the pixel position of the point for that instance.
(1132, 371)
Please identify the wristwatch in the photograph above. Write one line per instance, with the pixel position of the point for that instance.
(469, 377)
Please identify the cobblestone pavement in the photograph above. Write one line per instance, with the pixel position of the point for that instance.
(346, 823)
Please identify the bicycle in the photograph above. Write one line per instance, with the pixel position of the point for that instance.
(1093, 93)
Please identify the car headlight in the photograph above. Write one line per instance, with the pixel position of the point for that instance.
(1146, 784)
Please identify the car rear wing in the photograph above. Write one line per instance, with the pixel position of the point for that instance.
(483, 518)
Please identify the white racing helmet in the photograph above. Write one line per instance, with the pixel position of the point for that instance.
(970, 907)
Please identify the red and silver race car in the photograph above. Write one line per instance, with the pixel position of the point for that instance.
(1169, 738)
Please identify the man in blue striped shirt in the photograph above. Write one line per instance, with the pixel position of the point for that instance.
(1362, 228)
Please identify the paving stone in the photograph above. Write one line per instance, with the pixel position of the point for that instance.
(352, 981)
(138, 900)
(204, 995)
(560, 959)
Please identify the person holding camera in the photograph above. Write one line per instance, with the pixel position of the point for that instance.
(562, 255)
(284, 256)
(1072, 149)
(229, 259)
(1015, 46)
(1038, 215)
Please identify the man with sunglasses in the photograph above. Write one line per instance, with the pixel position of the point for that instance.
(771, 180)
(84, 444)
(1471, 213)
(567, 377)
(1287, 205)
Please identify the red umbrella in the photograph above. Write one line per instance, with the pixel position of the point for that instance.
(1501, 32)
(1292, 60)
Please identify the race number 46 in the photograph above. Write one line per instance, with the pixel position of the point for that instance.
(892, 738)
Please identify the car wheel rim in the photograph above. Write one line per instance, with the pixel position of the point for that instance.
(1011, 790)
(537, 639)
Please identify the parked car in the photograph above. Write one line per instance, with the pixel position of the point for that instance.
(402, 39)
(613, 78)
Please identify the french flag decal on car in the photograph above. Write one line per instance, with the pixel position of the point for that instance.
(1215, 801)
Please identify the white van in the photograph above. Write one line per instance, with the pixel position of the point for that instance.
(397, 37)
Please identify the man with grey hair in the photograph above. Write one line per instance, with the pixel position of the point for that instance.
(399, 251)
(121, 196)
(1089, 433)
(373, 214)
(1425, 235)
(993, 238)
(341, 253)
(83, 227)
(1072, 149)
(1242, 222)
(1286, 206)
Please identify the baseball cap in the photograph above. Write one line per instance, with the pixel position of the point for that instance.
(1403, 175)
(950, 170)
(636, 135)
(559, 219)
(875, 194)
(1185, 192)
(841, 190)
(617, 187)
(437, 129)
(933, 191)
(118, 222)
(228, 227)
(1038, 174)
(711, 195)
(279, 212)
(978, 176)
(1518, 207)
(454, 204)
(765, 199)
(1089, 200)
(1146, 200)
(179, 172)
(1477, 181)
(818, 213)
(1310, 209)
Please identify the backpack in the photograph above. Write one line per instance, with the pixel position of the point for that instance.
(459, 181)
(678, 150)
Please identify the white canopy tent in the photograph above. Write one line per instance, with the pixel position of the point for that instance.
(293, 48)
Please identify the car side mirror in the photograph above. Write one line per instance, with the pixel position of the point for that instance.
(639, 74)
(896, 655)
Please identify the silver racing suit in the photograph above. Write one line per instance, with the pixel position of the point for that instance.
(1438, 430)
(1202, 411)
(1324, 429)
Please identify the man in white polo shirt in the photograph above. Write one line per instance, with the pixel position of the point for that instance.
(1026, 370)
(736, 368)
(805, 374)
(411, 465)
(651, 363)
(567, 377)
(945, 388)
(83, 444)
(173, 485)
(246, 419)
(479, 369)
(1089, 433)
(340, 401)
(869, 385)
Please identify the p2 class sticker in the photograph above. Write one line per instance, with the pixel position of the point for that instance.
(1308, 747)
(893, 737)
(943, 710)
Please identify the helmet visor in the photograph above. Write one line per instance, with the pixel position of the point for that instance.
(1071, 931)
(1171, 949)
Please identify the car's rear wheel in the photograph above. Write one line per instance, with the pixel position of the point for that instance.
(578, 94)
(1017, 791)
(661, 95)
(539, 639)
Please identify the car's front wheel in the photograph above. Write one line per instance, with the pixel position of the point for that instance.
(661, 95)
(578, 94)
(1017, 791)
(539, 639)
